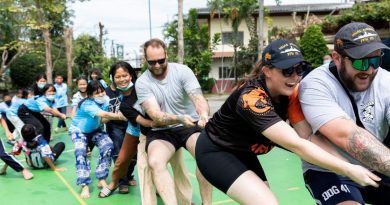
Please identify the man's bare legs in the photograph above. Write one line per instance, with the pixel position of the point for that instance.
(204, 186)
(146, 185)
(159, 153)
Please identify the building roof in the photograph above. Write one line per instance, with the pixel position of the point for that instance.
(226, 54)
(281, 9)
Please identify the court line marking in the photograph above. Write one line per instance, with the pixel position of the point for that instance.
(70, 188)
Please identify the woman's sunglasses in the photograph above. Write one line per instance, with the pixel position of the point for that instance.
(153, 62)
(363, 64)
(299, 69)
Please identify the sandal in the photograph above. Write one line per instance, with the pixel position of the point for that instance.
(123, 189)
(105, 192)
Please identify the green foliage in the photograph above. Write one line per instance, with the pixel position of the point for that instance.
(26, 67)
(376, 14)
(313, 45)
(88, 52)
(197, 48)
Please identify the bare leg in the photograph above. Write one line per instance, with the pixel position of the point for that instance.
(182, 182)
(3, 169)
(85, 192)
(205, 187)
(159, 153)
(27, 174)
(249, 189)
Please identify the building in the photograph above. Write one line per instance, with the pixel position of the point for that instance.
(281, 16)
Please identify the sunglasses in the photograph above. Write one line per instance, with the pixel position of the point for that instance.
(159, 61)
(363, 64)
(299, 69)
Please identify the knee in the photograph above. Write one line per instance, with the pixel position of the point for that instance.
(156, 164)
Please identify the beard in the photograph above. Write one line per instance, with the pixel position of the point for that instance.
(349, 81)
(160, 71)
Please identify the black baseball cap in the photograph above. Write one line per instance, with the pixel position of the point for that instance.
(357, 40)
(282, 54)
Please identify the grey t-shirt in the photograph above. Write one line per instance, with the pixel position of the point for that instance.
(171, 92)
(323, 99)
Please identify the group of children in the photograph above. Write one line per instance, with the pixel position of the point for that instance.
(26, 120)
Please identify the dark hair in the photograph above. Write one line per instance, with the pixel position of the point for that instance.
(81, 78)
(154, 42)
(35, 88)
(92, 86)
(124, 65)
(47, 86)
(29, 133)
(98, 73)
(40, 76)
(24, 92)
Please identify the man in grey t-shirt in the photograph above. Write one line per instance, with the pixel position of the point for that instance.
(171, 95)
(329, 111)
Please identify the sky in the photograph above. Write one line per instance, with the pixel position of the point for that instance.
(126, 22)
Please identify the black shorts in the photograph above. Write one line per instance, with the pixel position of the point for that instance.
(221, 167)
(329, 188)
(177, 136)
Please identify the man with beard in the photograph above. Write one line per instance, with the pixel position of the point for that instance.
(347, 104)
(170, 95)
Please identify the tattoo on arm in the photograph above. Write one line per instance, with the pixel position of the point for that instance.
(199, 101)
(370, 151)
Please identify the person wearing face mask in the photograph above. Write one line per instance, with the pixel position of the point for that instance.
(5, 123)
(30, 111)
(12, 113)
(85, 127)
(61, 101)
(39, 84)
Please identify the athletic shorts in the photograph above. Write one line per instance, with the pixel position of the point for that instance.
(177, 136)
(220, 166)
(328, 188)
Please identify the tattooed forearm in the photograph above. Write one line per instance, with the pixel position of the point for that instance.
(200, 103)
(367, 149)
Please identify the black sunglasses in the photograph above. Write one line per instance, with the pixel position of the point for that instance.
(159, 61)
(299, 69)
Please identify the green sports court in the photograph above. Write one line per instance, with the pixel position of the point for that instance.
(47, 187)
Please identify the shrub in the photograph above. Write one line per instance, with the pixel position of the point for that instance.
(313, 45)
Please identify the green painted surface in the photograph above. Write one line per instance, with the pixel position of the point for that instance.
(282, 169)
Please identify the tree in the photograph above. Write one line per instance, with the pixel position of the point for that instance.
(197, 48)
(87, 52)
(26, 67)
(313, 45)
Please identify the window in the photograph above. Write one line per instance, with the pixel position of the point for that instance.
(226, 72)
(228, 37)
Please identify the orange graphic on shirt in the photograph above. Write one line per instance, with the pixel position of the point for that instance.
(257, 101)
(261, 149)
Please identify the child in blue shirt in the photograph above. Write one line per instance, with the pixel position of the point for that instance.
(86, 126)
(37, 151)
(61, 101)
(30, 111)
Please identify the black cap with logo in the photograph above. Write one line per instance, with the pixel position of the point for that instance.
(357, 40)
(282, 54)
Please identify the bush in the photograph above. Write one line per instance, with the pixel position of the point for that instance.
(25, 68)
(313, 45)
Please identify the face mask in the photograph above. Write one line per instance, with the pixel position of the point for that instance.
(50, 97)
(327, 61)
(126, 88)
(8, 103)
(100, 100)
(41, 85)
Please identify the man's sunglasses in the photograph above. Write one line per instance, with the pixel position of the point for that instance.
(363, 64)
(159, 61)
(299, 69)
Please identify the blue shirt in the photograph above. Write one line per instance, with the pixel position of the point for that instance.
(37, 104)
(16, 103)
(86, 119)
(61, 95)
(3, 108)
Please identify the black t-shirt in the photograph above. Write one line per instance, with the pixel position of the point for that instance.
(247, 112)
(115, 101)
(126, 107)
